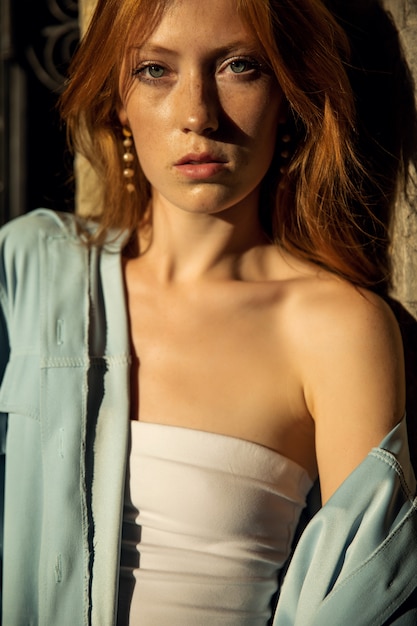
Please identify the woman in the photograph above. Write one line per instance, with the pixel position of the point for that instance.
(233, 265)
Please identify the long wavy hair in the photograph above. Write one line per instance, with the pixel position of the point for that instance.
(327, 205)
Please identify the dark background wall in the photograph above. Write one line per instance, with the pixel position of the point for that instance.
(37, 38)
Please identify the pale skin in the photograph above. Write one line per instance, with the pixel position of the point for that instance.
(232, 334)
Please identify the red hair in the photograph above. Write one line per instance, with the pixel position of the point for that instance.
(320, 208)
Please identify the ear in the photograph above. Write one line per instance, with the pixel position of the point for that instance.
(123, 116)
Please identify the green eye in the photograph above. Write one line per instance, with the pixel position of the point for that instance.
(239, 66)
(155, 71)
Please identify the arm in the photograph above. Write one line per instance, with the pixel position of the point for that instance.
(353, 375)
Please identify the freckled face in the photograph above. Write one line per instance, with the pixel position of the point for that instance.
(203, 108)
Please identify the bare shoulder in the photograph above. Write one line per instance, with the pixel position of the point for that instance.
(348, 349)
(327, 309)
(327, 319)
(340, 330)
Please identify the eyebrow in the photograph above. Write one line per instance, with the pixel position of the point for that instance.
(150, 48)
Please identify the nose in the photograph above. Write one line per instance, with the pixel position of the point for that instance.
(199, 106)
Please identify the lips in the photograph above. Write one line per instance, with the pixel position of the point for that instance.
(200, 166)
(198, 159)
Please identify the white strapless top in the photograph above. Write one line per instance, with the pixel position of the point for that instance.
(208, 522)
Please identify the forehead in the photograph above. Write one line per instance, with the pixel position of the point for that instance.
(213, 22)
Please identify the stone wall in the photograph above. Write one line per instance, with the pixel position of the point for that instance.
(404, 13)
(87, 189)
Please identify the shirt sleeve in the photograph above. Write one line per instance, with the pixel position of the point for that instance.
(4, 357)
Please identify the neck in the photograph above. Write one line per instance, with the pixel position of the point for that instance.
(185, 247)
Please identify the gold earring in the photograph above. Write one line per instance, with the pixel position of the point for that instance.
(285, 155)
(284, 152)
(128, 158)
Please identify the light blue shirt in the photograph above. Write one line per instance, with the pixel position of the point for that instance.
(64, 405)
